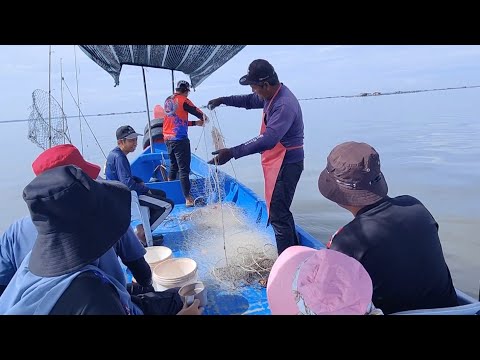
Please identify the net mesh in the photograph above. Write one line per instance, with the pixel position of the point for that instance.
(218, 139)
(235, 251)
(46, 127)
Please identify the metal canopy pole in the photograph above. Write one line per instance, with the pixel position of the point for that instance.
(49, 97)
(148, 111)
(173, 84)
(61, 92)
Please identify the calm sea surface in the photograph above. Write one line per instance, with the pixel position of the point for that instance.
(428, 143)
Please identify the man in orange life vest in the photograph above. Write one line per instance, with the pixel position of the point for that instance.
(175, 133)
(280, 142)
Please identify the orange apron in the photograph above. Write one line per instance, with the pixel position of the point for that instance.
(272, 160)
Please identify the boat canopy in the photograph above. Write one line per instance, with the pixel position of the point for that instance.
(196, 61)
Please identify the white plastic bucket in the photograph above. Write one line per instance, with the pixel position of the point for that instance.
(156, 254)
(174, 272)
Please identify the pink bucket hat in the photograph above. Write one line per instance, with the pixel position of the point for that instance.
(318, 282)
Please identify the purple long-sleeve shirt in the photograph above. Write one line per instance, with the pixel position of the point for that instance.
(284, 123)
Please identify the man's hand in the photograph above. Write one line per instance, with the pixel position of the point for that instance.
(205, 119)
(140, 232)
(193, 309)
(137, 289)
(223, 156)
(199, 123)
(212, 104)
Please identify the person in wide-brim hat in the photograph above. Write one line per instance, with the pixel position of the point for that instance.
(19, 238)
(352, 176)
(77, 220)
(306, 281)
(128, 248)
(394, 238)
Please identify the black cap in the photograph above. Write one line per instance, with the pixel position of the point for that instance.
(258, 71)
(126, 132)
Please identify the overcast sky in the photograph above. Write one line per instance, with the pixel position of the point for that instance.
(310, 71)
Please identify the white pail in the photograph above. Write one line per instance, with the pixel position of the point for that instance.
(174, 272)
(156, 254)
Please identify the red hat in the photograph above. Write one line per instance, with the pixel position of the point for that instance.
(60, 155)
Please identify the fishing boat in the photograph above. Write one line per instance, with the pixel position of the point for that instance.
(151, 165)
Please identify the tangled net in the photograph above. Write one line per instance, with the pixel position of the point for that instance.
(234, 251)
(251, 267)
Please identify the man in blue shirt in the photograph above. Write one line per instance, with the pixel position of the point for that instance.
(280, 142)
(118, 168)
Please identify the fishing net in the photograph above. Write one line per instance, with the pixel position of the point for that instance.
(206, 190)
(211, 188)
(235, 250)
(218, 139)
(47, 124)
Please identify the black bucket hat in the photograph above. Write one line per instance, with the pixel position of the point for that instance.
(352, 176)
(78, 219)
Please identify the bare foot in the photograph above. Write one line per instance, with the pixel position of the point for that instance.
(189, 201)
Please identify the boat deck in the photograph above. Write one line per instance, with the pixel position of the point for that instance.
(250, 300)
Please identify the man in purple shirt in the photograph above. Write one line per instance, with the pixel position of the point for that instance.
(280, 142)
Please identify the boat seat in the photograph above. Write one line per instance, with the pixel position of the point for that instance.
(141, 214)
(467, 309)
(141, 206)
(147, 203)
(145, 215)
